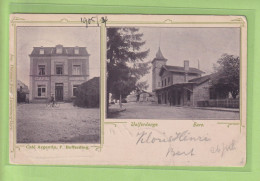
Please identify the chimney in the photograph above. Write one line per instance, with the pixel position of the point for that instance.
(186, 69)
(186, 65)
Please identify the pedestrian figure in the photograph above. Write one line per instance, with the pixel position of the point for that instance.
(52, 100)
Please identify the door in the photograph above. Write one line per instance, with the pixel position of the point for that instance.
(59, 92)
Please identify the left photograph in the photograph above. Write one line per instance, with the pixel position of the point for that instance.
(58, 84)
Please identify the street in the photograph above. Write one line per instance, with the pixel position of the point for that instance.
(37, 123)
(155, 111)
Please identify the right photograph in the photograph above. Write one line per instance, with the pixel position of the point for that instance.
(179, 73)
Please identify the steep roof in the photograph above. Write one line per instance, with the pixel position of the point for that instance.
(66, 51)
(180, 69)
(159, 56)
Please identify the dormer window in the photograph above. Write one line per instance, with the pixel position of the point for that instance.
(76, 50)
(59, 49)
(41, 51)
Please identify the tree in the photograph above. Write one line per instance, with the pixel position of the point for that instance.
(125, 61)
(227, 74)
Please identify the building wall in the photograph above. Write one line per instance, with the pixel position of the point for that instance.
(157, 64)
(36, 79)
(178, 78)
(35, 61)
(174, 78)
(50, 79)
(187, 102)
(83, 62)
(37, 82)
(59, 60)
(165, 76)
(60, 79)
(201, 92)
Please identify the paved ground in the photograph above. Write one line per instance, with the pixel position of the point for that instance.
(154, 111)
(67, 124)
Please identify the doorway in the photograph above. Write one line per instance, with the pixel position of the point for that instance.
(178, 97)
(59, 91)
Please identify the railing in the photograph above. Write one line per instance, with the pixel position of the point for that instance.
(228, 103)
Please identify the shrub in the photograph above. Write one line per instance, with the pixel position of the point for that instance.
(21, 97)
(87, 94)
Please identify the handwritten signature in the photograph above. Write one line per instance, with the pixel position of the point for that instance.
(148, 137)
(173, 152)
(223, 148)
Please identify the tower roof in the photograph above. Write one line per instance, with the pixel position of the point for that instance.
(159, 54)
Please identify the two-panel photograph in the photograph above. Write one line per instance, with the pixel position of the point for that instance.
(125, 90)
(152, 73)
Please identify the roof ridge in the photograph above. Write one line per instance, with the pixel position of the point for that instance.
(181, 67)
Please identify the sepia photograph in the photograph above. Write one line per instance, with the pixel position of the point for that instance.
(87, 89)
(58, 80)
(173, 73)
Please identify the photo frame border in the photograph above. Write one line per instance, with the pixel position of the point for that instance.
(17, 20)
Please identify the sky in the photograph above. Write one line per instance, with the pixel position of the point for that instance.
(177, 44)
(193, 44)
(29, 37)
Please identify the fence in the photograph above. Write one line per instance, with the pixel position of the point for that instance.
(228, 103)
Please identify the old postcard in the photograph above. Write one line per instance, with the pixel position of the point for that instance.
(144, 90)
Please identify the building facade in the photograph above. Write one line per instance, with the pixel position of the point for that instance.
(180, 86)
(57, 71)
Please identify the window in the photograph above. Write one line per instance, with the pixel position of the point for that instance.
(75, 90)
(76, 70)
(41, 91)
(59, 69)
(159, 84)
(169, 79)
(41, 69)
(164, 82)
(59, 50)
(76, 50)
(41, 51)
